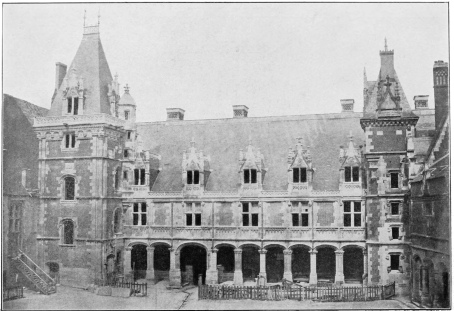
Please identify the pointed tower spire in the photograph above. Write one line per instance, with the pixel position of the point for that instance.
(386, 45)
(365, 77)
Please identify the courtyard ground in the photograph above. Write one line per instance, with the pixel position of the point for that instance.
(159, 297)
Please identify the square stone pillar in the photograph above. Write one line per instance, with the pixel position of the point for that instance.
(313, 274)
(212, 273)
(262, 273)
(339, 277)
(127, 271)
(366, 268)
(175, 272)
(150, 263)
(288, 265)
(238, 274)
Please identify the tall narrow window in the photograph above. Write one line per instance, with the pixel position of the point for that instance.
(139, 176)
(73, 105)
(69, 188)
(194, 219)
(126, 114)
(117, 219)
(394, 180)
(395, 233)
(125, 175)
(351, 173)
(14, 218)
(250, 217)
(126, 153)
(395, 261)
(70, 105)
(250, 176)
(129, 135)
(70, 140)
(76, 105)
(299, 174)
(68, 231)
(117, 178)
(395, 208)
(192, 177)
(352, 214)
(139, 214)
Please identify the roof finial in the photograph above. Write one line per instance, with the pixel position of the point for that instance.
(350, 136)
(299, 140)
(192, 142)
(85, 16)
(250, 140)
(99, 15)
(127, 88)
(386, 45)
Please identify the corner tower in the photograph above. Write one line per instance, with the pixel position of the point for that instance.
(388, 123)
(81, 145)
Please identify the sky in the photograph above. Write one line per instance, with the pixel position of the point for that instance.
(277, 59)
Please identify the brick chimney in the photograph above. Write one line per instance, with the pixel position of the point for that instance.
(421, 102)
(60, 73)
(347, 105)
(441, 91)
(175, 114)
(240, 111)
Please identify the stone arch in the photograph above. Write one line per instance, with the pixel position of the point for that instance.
(303, 245)
(192, 243)
(326, 245)
(250, 260)
(274, 262)
(275, 244)
(249, 244)
(225, 261)
(301, 261)
(224, 244)
(157, 243)
(326, 262)
(353, 245)
(134, 243)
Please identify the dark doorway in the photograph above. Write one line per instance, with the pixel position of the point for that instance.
(445, 296)
(250, 262)
(161, 262)
(301, 264)
(353, 265)
(326, 264)
(226, 258)
(274, 264)
(139, 261)
(193, 261)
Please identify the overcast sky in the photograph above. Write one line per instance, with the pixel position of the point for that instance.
(278, 59)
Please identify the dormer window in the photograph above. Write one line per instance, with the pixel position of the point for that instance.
(299, 175)
(73, 105)
(70, 140)
(126, 114)
(250, 176)
(139, 176)
(192, 177)
(351, 173)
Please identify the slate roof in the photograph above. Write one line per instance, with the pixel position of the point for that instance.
(28, 109)
(222, 140)
(90, 64)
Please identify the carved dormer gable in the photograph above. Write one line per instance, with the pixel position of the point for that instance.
(73, 94)
(300, 171)
(251, 167)
(350, 156)
(389, 99)
(195, 169)
(350, 176)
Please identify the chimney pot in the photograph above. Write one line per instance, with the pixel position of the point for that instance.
(60, 73)
(240, 111)
(175, 114)
(347, 105)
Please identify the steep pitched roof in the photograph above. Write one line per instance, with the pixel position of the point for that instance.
(29, 110)
(222, 140)
(90, 64)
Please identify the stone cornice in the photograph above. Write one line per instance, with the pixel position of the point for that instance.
(78, 120)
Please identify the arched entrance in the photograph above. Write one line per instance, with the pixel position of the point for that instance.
(274, 264)
(353, 265)
(301, 264)
(139, 261)
(193, 261)
(161, 262)
(226, 263)
(250, 262)
(326, 264)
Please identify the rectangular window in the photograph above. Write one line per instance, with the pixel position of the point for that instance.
(395, 208)
(14, 218)
(295, 220)
(188, 219)
(127, 115)
(139, 214)
(351, 173)
(136, 176)
(246, 176)
(428, 211)
(142, 176)
(198, 219)
(305, 220)
(70, 105)
(250, 218)
(125, 175)
(250, 176)
(126, 153)
(192, 177)
(299, 174)
(394, 180)
(139, 176)
(395, 262)
(70, 140)
(76, 105)
(395, 232)
(352, 214)
(129, 135)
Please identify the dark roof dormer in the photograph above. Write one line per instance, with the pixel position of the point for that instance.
(300, 172)
(251, 169)
(350, 171)
(195, 170)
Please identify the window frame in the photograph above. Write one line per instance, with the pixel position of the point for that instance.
(395, 182)
(391, 261)
(140, 177)
(249, 215)
(15, 217)
(195, 217)
(73, 105)
(395, 229)
(352, 213)
(126, 114)
(250, 176)
(141, 214)
(193, 177)
(299, 176)
(64, 232)
(65, 188)
(349, 174)
(394, 203)
(428, 204)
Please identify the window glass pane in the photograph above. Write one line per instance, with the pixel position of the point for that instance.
(135, 219)
(73, 140)
(67, 140)
(357, 207)
(303, 175)
(136, 207)
(394, 180)
(198, 219)
(395, 262)
(395, 232)
(296, 175)
(142, 176)
(136, 176)
(295, 220)
(394, 208)
(70, 107)
(253, 176)
(255, 219)
(348, 174)
(355, 173)
(304, 220)
(68, 232)
(245, 219)
(144, 207)
(245, 207)
(357, 219)
(346, 206)
(69, 188)
(144, 219)
(76, 105)
(188, 219)
(189, 177)
(125, 175)
(246, 176)
(196, 177)
(347, 220)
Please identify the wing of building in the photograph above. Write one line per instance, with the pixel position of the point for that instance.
(310, 198)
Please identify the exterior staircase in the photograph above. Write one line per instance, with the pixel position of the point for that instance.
(34, 273)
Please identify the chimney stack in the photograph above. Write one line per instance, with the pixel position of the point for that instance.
(60, 73)
(174, 114)
(441, 91)
(240, 111)
(347, 105)
(421, 102)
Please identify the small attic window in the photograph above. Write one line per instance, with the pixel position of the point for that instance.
(126, 114)
(73, 105)
(250, 176)
(193, 177)
(299, 175)
(351, 174)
